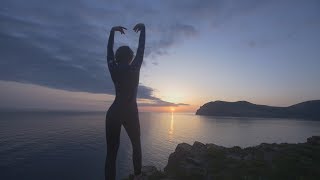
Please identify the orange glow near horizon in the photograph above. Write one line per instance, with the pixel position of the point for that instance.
(190, 108)
(172, 109)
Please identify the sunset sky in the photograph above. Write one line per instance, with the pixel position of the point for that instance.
(53, 53)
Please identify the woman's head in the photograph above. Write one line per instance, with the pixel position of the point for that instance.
(124, 54)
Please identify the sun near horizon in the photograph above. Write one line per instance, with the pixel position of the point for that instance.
(172, 109)
(232, 54)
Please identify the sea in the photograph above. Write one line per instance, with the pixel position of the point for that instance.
(72, 145)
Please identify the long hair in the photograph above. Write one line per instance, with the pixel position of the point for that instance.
(124, 54)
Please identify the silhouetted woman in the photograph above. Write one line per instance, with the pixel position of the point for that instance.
(124, 72)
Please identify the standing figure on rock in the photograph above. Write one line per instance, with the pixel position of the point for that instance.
(125, 71)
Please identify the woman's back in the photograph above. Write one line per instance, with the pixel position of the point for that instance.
(126, 81)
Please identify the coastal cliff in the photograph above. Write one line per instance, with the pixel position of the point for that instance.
(304, 110)
(265, 161)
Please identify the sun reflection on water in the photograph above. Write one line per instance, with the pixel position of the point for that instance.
(171, 124)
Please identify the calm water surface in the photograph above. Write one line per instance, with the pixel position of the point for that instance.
(64, 146)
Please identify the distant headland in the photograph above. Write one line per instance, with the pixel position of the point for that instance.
(304, 110)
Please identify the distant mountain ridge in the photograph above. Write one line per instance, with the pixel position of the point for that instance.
(306, 110)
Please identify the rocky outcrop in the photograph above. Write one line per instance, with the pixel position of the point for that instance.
(265, 161)
(305, 110)
(150, 173)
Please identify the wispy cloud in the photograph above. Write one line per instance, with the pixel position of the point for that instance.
(61, 44)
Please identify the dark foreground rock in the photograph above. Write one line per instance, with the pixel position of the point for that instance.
(266, 161)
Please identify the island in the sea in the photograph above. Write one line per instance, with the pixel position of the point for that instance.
(304, 110)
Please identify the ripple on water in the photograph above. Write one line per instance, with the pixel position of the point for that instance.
(73, 146)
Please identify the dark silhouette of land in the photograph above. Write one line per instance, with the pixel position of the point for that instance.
(304, 110)
(265, 161)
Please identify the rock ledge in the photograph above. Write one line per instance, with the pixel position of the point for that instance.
(265, 161)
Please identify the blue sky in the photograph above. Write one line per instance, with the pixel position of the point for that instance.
(264, 52)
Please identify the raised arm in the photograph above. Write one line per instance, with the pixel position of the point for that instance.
(110, 54)
(142, 39)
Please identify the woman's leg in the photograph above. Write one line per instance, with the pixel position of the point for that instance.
(132, 126)
(113, 129)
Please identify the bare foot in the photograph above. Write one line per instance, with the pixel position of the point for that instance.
(138, 177)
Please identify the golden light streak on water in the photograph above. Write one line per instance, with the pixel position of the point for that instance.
(171, 124)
